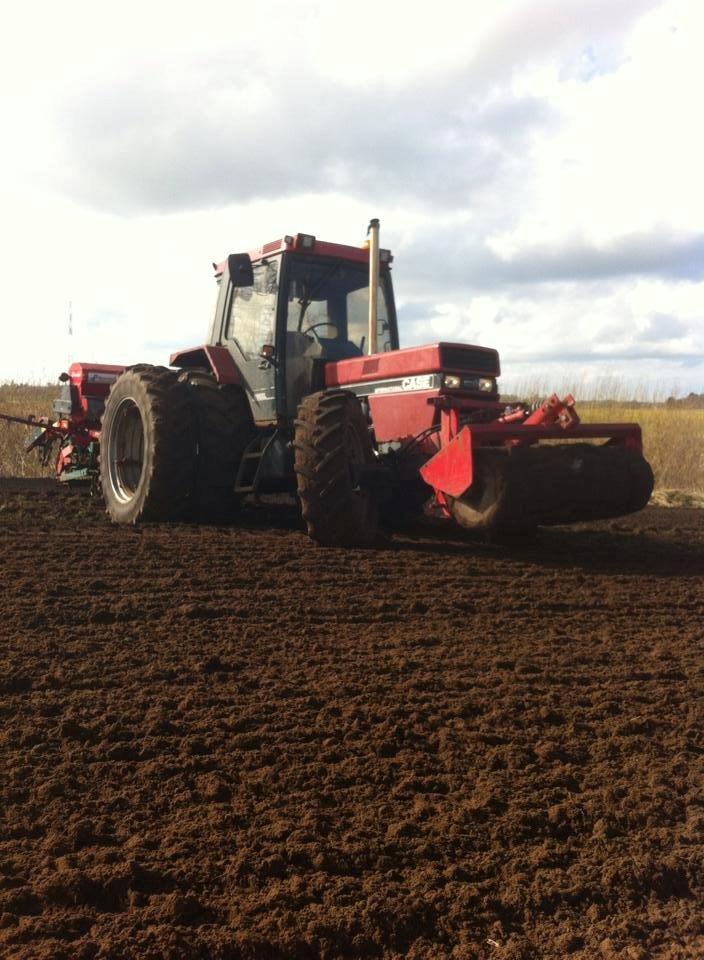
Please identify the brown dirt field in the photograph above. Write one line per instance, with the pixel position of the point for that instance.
(231, 743)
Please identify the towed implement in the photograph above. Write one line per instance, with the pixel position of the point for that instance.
(302, 386)
(71, 437)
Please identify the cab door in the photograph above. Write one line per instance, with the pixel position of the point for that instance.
(250, 323)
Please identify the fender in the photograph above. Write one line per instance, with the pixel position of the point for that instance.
(217, 359)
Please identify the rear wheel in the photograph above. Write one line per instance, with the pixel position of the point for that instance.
(331, 442)
(147, 446)
(224, 428)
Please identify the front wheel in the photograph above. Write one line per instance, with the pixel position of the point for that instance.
(332, 443)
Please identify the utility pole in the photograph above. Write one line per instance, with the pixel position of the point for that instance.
(70, 333)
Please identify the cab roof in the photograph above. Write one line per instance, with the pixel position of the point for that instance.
(307, 243)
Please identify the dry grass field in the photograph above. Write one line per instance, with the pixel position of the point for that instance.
(673, 439)
(673, 436)
(20, 400)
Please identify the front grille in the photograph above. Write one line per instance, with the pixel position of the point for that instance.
(470, 359)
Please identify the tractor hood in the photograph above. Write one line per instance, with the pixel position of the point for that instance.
(414, 365)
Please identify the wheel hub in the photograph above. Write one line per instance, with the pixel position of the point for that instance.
(126, 451)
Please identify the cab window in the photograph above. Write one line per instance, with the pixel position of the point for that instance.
(252, 318)
(330, 302)
(358, 318)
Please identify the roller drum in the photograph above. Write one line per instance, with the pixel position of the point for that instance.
(521, 488)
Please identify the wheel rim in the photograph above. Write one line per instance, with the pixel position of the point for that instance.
(126, 450)
(356, 457)
(353, 443)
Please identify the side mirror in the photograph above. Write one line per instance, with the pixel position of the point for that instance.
(268, 356)
(239, 266)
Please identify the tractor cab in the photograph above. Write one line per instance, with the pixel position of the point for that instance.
(303, 303)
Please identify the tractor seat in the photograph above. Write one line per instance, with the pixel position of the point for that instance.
(337, 349)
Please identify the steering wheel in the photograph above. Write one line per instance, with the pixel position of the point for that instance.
(321, 323)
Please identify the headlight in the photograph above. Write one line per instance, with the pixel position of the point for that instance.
(471, 384)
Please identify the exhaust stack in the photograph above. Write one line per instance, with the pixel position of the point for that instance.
(373, 234)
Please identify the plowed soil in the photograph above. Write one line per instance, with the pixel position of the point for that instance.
(231, 743)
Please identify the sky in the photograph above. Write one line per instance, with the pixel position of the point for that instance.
(537, 167)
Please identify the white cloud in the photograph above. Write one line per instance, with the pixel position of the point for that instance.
(536, 166)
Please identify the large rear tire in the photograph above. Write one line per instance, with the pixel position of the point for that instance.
(331, 441)
(147, 447)
(224, 428)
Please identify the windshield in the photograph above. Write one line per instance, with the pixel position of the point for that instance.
(329, 300)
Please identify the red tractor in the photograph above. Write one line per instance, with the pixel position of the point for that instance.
(302, 387)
